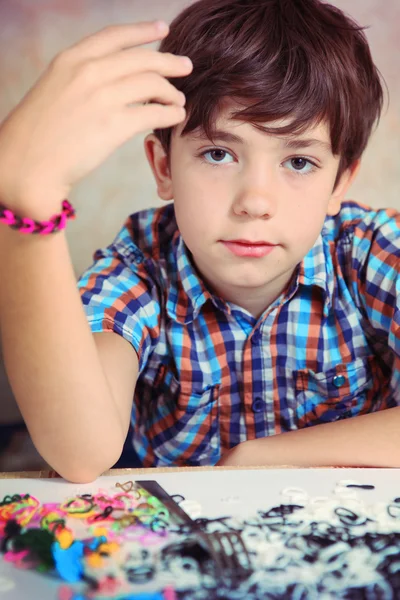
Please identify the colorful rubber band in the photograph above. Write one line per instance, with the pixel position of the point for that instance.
(26, 225)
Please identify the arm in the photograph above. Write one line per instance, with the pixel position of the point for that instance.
(369, 440)
(366, 441)
(74, 390)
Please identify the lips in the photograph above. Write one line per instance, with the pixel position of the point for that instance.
(249, 243)
(249, 248)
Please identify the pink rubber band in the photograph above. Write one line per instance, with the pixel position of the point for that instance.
(48, 227)
(63, 221)
(27, 226)
(8, 217)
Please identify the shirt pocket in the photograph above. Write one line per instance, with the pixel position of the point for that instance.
(183, 424)
(343, 391)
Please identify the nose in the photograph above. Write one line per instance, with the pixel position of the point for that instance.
(257, 205)
(255, 202)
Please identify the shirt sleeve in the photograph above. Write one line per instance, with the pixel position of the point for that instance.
(376, 266)
(120, 295)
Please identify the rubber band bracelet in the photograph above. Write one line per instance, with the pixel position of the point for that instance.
(27, 225)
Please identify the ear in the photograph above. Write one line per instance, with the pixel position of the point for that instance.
(159, 163)
(341, 188)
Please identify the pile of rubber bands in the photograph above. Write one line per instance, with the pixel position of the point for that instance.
(131, 546)
(99, 540)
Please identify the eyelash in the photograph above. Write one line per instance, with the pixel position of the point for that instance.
(302, 174)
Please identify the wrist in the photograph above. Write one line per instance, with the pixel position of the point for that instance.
(27, 225)
(33, 199)
(35, 205)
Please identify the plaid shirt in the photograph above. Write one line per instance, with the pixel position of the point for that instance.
(212, 375)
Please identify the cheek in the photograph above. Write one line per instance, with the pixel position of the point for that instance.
(191, 221)
(196, 232)
(304, 222)
(197, 211)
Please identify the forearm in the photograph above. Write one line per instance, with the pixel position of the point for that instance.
(367, 441)
(51, 358)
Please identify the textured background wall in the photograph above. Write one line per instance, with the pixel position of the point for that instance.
(33, 31)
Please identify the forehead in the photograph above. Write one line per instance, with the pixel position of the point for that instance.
(224, 121)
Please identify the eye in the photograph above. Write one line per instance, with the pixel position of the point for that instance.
(188, 564)
(300, 165)
(216, 155)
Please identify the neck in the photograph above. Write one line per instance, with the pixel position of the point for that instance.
(255, 300)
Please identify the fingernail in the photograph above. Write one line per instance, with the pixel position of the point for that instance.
(187, 61)
(161, 26)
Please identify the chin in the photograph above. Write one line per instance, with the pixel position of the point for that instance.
(252, 284)
(246, 281)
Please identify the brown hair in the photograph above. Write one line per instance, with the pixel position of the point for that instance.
(299, 59)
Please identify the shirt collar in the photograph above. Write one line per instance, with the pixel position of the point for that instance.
(187, 293)
(317, 269)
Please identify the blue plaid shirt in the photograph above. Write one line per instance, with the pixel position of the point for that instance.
(212, 375)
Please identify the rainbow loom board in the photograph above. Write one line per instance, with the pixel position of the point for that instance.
(300, 534)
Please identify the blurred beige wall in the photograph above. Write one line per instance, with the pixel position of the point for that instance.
(33, 31)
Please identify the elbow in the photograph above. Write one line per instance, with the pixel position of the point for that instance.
(79, 475)
(84, 468)
(87, 471)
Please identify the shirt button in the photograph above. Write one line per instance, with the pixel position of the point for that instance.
(339, 380)
(256, 337)
(258, 405)
(345, 415)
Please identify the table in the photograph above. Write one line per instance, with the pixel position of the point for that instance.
(49, 474)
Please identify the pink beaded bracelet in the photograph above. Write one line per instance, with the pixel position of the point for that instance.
(27, 225)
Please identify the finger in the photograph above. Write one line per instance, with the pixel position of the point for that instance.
(125, 63)
(118, 37)
(146, 87)
(154, 116)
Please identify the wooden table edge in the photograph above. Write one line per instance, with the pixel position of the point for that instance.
(48, 474)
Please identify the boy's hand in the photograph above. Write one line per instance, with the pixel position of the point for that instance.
(89, 101)
(235, 457)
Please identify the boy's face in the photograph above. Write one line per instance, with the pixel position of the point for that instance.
(251, 205)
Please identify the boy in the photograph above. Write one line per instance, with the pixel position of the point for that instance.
(259, 302)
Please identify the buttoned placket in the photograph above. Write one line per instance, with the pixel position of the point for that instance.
(258, 388)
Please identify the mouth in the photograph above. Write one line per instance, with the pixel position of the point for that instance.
(250, 248)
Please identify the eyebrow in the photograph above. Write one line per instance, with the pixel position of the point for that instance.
(290, 143)
(295, 143)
